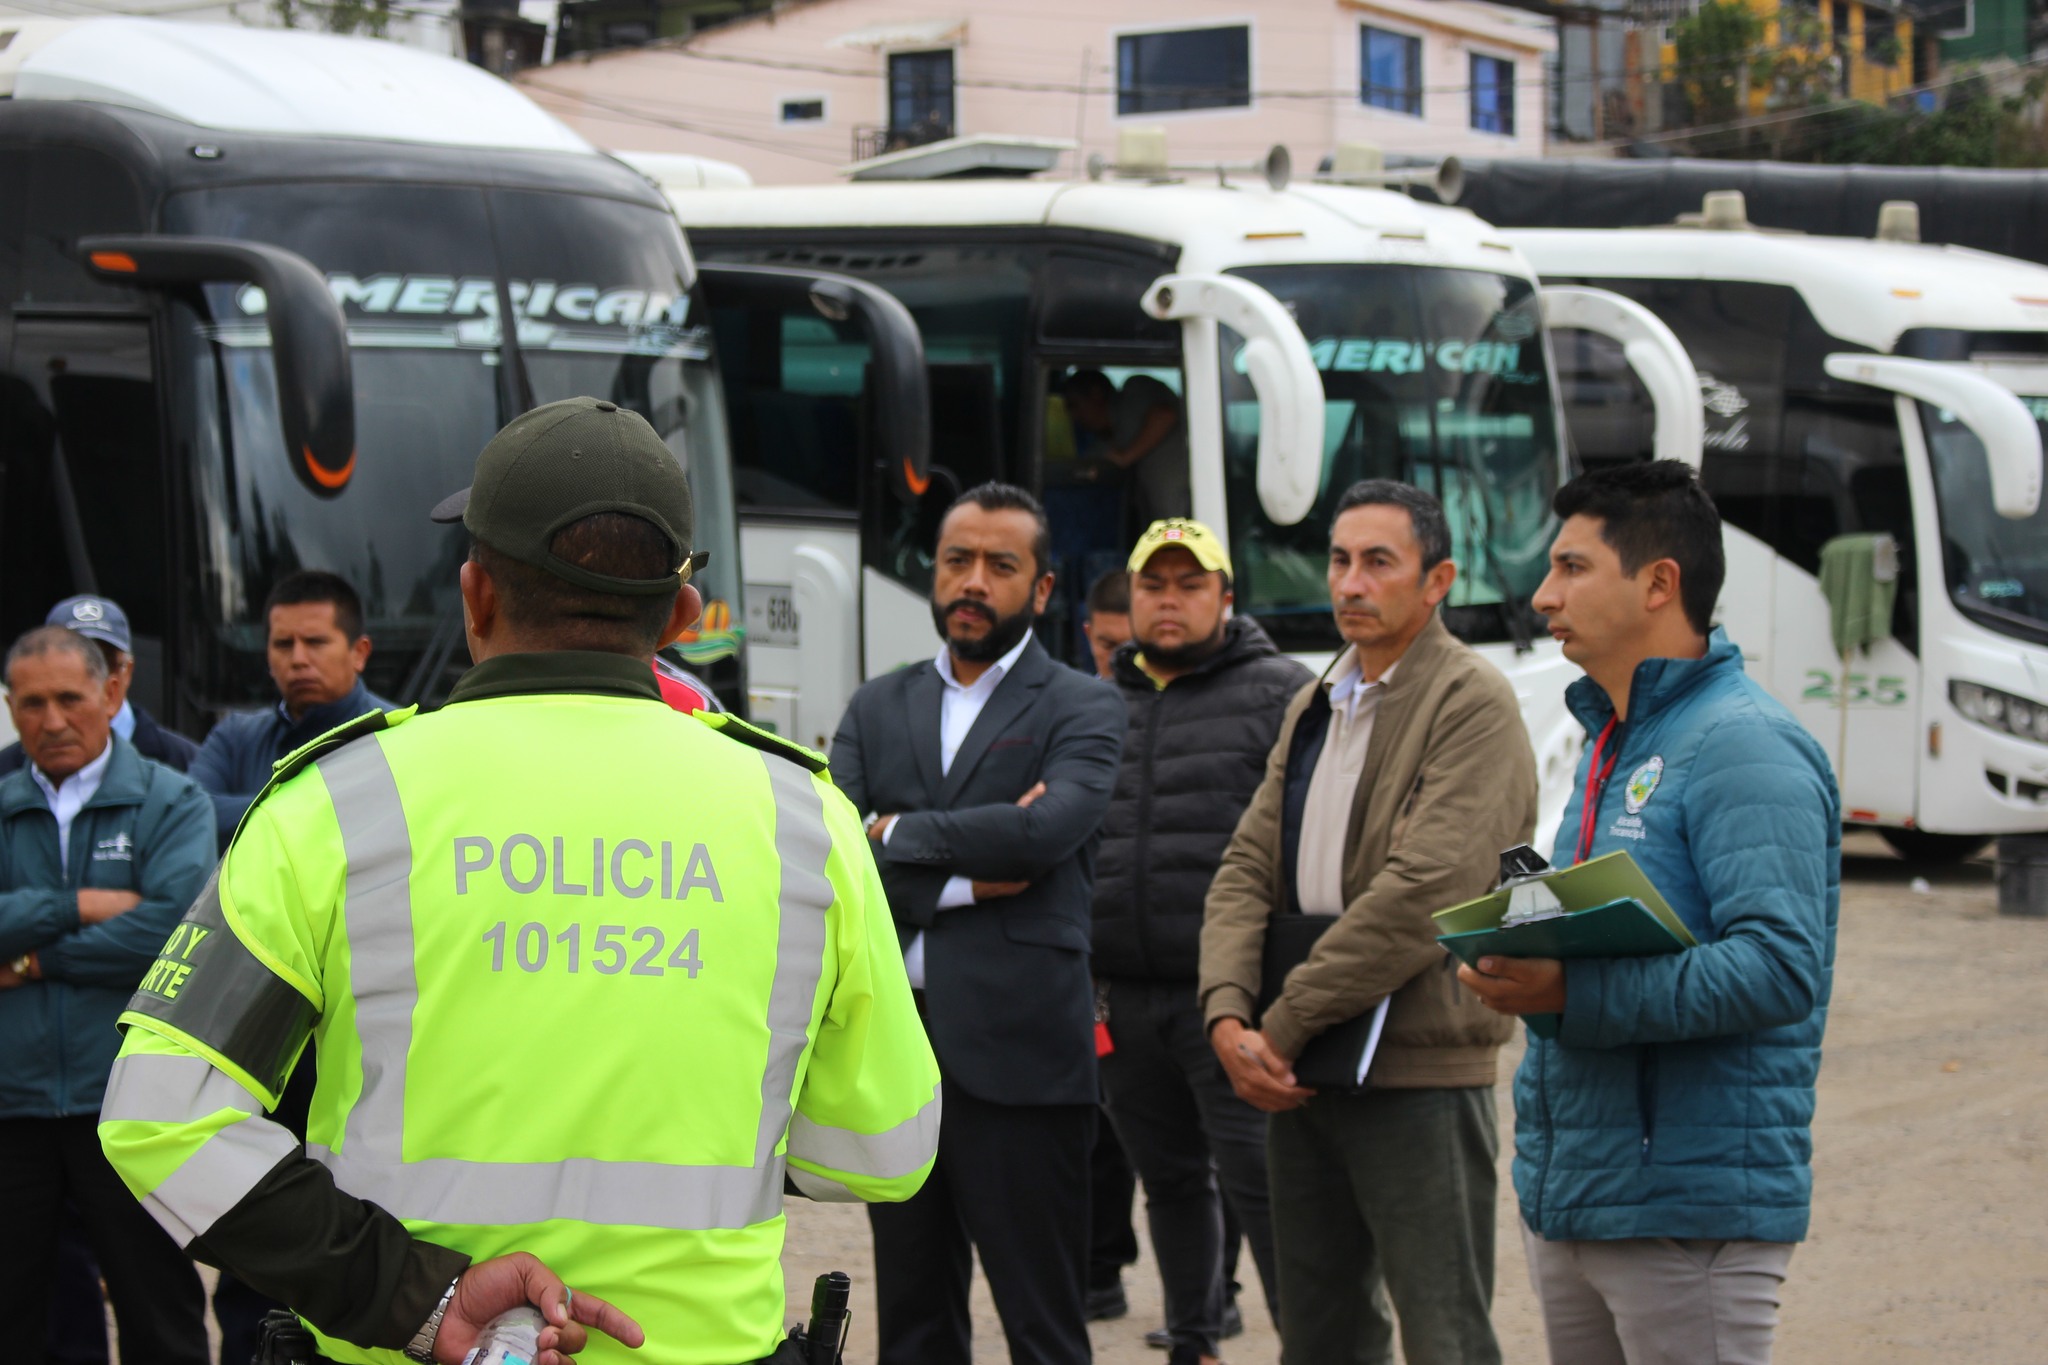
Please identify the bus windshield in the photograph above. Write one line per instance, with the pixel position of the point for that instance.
(1436, 377)
(605, 308)
(1996, 567)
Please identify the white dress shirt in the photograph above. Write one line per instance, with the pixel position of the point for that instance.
(960, 706)
(1326, 814)
(68, 797)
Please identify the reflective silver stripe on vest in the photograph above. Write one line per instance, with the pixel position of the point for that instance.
(378, 916)
(218, 1176)
(377, 911)
(147, 1087)
(151, 1088)
(902, 1150)
(802, 845)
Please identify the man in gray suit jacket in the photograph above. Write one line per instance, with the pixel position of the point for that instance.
(986, 774)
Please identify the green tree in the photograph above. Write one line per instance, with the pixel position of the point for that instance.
(370, 18)
(1803, 68)
(1717, 48)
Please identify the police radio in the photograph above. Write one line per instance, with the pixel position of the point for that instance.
(821, 1341)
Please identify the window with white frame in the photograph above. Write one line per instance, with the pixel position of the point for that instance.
(1191, 68)
(1493, 95)
(803, 109)
(1390, 70)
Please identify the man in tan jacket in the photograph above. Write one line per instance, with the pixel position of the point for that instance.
(1397, 780)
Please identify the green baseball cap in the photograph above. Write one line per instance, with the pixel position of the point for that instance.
(565, 461)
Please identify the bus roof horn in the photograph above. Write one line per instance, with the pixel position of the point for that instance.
(1141, 155)
(1363, 163)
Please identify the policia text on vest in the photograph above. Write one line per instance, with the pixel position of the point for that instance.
(525, 863)
(586, 979)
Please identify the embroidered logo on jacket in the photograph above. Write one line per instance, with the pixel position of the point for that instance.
(1643, 784)
(119, 849)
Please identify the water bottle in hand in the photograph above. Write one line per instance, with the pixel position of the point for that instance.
(511, 1338)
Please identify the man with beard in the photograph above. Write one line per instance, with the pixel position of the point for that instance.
(1205, 692)
(987, 773)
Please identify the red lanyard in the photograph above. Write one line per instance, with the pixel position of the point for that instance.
(1596, 782)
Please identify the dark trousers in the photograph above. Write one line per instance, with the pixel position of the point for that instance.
(159, 1308)
(1011, 1185)
(239, 1310)
(78, 1311)
(1112, 1241)
(1386, 1194)
(1183, 1128)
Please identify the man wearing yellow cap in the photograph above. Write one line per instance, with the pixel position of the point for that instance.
(1205, 692)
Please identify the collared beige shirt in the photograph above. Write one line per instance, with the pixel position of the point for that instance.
(1326, 815)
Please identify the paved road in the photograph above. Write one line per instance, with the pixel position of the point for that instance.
(1930, 1232)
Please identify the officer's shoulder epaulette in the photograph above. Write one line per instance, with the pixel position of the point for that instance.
(732, 727)
(313, 750)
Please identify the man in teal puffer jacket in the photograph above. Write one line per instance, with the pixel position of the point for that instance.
(101, 851)
(1662, 1145)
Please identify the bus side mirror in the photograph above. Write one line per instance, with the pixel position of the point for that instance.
(308, 335)
(2011, 437)
(1652, 350)
(902, 386)
(1277, 360)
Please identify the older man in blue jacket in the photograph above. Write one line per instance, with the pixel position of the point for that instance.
(1662, 1145)
(101, 850)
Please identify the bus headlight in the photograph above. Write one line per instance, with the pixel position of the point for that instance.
(2001, 710)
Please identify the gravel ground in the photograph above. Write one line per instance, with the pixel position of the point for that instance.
(1930, 1228)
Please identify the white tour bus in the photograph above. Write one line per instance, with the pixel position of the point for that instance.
(1853, 387)
(1314, 335)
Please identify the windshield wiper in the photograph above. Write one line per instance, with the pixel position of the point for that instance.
(515, 388)
(69, 523)
(433, 660)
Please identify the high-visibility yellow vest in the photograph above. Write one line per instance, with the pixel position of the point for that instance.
(585, 978)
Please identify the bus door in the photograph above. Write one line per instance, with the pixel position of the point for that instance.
(830, 405)
(1097, 406)
(82, 498)
(82, 503)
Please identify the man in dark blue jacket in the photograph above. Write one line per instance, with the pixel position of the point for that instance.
(317, 652)
(101, 850)
(101, 620)
(1663, 1155)
(317, 649)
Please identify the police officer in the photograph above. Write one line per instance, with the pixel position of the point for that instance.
(586, 979)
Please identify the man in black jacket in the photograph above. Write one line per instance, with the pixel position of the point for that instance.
(101, 620)
(987, 773)
(1205, 692)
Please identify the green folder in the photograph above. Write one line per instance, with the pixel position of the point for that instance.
(1610, 910)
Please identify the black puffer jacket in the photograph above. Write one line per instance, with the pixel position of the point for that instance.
(1195, 753)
